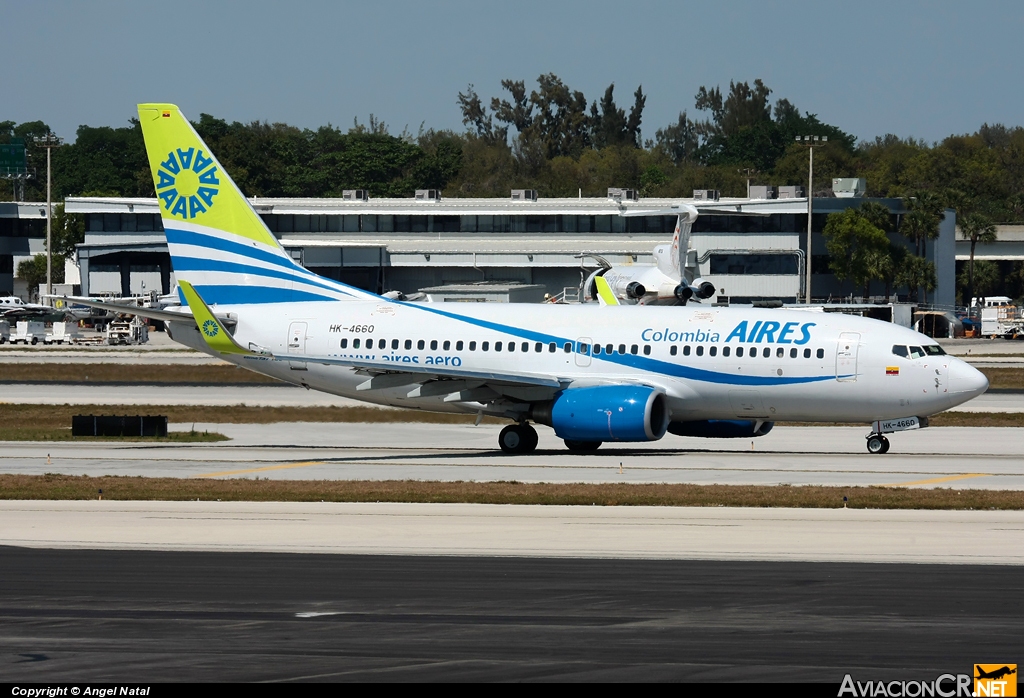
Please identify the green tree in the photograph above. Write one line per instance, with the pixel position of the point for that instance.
(678, 141)
(610, 126)
(33, 272)
(877, 214)
(976, 228)
(857, 249)
(987, 278)
(916, 274)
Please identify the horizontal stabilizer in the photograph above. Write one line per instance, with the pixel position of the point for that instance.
(183, 315)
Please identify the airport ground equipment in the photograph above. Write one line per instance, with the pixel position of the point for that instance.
(129, 332)
(1002, 321)
(5, 331)
(62, 332)
(29, 332)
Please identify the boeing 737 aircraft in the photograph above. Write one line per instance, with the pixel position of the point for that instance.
(594, 373)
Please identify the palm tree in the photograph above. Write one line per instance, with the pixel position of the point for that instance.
(976, 228)
(925, 211)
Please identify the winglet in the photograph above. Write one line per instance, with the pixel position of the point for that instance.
(213, 332)
(604, 292)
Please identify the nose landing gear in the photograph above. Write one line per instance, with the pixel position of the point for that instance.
(878, 444)
(518, 439)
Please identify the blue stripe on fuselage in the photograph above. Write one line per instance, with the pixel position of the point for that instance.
(641, 363)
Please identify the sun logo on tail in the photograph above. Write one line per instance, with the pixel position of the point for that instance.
(187, 183)
(210, 328)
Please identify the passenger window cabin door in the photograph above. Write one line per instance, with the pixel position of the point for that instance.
(297, 344)
(846, 356)
(584, 346)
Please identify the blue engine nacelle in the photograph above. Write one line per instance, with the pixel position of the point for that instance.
(606, 413)
(721, 428)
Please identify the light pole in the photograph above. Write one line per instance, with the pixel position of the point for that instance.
(749, 172)
(49, 141)
(809, 142)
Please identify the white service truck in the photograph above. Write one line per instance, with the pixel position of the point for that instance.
(29, 332)
(63, 332)
(1001, 321)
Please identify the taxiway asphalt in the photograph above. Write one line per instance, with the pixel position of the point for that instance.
(148, 616)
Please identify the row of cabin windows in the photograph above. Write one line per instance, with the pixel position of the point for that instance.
(751, 352)
(552, 347)
(524, 347)
(446, 345)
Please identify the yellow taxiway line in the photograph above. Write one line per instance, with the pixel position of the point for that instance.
(937, 480)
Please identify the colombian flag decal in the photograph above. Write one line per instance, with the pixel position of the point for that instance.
(892, 370)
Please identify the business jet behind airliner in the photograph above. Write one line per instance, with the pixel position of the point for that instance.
(672, 278)
(593, 373)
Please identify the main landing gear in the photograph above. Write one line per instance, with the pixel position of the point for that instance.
(518, 439)
(878, 444)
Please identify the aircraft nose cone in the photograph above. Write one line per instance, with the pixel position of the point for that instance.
(965, 381)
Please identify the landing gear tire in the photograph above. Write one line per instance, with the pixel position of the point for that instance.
(518, 439)
(582, 446)
(878, 444)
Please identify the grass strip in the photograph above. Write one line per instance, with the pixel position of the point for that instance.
(1004, 378)
(126, 488)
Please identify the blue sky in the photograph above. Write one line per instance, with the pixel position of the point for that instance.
(921, 69)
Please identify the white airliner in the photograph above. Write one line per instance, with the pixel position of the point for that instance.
(594, 373)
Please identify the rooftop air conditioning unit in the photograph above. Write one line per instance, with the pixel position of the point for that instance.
(623, 194)
(759, 191)
(524, 194)
(794, 192)
(428, 194)
(849, 187)
(706, 194)
(355, 194)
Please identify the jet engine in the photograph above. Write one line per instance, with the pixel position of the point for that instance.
(606, 413)
(721, 428)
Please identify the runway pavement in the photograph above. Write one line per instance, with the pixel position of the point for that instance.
(143, 616)
(960, 457)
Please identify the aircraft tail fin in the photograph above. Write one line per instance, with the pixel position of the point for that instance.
(217, 241)
(605, 295)
(673, 264)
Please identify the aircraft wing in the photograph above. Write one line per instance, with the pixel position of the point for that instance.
(437, 371)
(27, 313)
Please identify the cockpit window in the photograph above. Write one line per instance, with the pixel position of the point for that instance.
(899, 350)
(916, 352)
(934, 350)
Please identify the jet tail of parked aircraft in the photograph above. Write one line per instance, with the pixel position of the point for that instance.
(217, 241)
